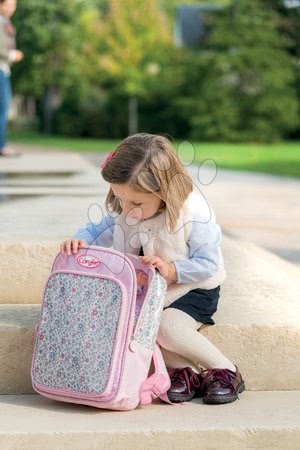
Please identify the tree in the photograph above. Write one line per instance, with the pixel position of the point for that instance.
(288, 25)
(132, 50)
(50, 35)
(242, 85)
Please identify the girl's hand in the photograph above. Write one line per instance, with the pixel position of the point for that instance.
(167, 270)
(71, 245)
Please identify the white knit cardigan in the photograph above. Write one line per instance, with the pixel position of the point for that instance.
(154, 236)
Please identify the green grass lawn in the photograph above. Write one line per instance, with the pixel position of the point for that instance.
(281, 158)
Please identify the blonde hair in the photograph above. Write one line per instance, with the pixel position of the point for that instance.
(149, 164)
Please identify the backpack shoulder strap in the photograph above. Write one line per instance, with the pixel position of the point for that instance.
(157, 385)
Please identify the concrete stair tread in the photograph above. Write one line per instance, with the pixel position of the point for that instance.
(90, 177)
(83, 183)
(49, 217)
(259, 420)
(54, 162)
(48, 190)
(258, 319)
(19, 316)
(246, 345)
(260, 288)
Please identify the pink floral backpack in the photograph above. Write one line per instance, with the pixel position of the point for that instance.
(96, 336)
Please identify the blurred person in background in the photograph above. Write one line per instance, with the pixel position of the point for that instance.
(8, 55)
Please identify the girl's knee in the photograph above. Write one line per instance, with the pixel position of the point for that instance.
(173, 322)
(166, 328)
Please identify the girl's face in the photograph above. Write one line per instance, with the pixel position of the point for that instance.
(136, 205)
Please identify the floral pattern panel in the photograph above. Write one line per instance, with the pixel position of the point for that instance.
(148, 322)
(77, 332)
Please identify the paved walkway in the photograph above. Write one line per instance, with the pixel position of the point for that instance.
(259, 208)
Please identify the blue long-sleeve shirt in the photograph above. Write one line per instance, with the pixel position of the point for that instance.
(203, 243)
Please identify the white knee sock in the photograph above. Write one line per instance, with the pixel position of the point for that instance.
(178, 334)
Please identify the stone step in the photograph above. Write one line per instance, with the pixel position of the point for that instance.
(38, 222)
(90, 177)
(25, 191)
(59, 184)
(258, 283)
(45, 162)
(266, 354)
(257, 323)
(49, 174)
(259, 420)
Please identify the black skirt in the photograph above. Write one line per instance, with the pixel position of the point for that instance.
(201, 304)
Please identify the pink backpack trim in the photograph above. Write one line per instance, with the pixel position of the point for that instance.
(157, 385)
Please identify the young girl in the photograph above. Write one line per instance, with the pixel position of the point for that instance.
(157, 216)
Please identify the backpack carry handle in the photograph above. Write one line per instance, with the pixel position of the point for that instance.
(157, 385)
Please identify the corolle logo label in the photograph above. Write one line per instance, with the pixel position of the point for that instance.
(89, 261)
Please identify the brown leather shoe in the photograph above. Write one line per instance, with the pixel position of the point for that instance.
(185, 385)
(221, 385)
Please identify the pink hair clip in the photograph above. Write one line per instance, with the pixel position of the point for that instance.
(107, 159)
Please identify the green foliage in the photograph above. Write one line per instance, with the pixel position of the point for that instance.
(130, 53)
(242, 86)
(289, 25)
(50, 35)
(97, 115)
(132, 45)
